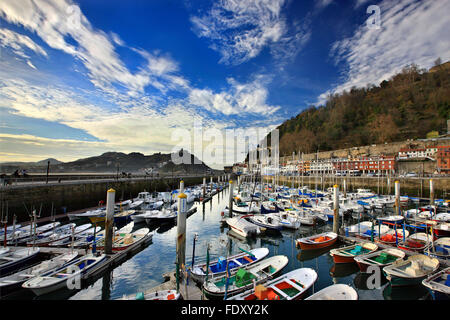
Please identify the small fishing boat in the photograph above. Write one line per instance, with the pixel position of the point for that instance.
(392, 237)
(410, 271)
(155, 295)
(442, 217)
(335, 292)
(83, 235)
(417, 242)
(439, 249)
(242, 227)
(380, 259)
(17, 259)
(317, 241)
(131, 239)
(290, 286)
(60, 234)
(245, 277)
(137, 218)
(439, 284)
(4, 250)
(13, 282)
(391, 219)
(161, 216)
(288, 220)
(348, 253)
(61, 277)
(442, 229)
(119, 218)
(267, 221)
(218, 267)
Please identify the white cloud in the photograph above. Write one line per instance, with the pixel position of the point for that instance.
(411, 32)
(239, 99)
(57, 21)
(19, 42)
(240, 30)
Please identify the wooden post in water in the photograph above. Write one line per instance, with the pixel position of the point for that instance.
(345, 187)
(181, 231)
(204, 188)
(397, 197)
(230, 200)
(110, 199)
(336, 208)
(432, 197)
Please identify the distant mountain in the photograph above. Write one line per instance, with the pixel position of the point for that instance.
(411, 105)
(112, 162)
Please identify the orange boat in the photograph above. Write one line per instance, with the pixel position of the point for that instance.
(317, 241)
(348, 254)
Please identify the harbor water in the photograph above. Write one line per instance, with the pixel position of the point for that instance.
(144, 269)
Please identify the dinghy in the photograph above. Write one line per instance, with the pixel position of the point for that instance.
(317, 241)
(442, 229)
(417, 242)
(290, 286)
(410, 271)
(156, 295)
(335, 292)
(392, 237)
(439, 284)
(13, 282)
(17, 259)
(83, 235)
(245, 277)
(288, 220)
(439, 249)
(218, 267)
(137, 218)
(267, 221)
(242, 227)
(58, 235)
(380, 259)
(60, 278)
(348, 253)
(131, 239)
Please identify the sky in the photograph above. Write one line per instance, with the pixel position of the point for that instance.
(82, 77)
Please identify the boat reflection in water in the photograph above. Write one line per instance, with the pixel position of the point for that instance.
(417, 292)
(305, 255)
(341, 270)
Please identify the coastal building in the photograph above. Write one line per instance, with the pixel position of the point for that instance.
(443, 159)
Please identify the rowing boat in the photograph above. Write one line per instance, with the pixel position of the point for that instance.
(290, 286)
(317, 241)
(16, 259)
(335, 292)
(63, 277)
(218, 267)
(244, 278)
(439, 284)
(379, 258)
(410, 271)
(348, 253)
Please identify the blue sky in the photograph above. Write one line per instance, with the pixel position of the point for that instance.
(79, 78)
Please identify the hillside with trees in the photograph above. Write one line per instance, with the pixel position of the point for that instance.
(412, 104)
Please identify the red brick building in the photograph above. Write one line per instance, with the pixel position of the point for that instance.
(443, 159)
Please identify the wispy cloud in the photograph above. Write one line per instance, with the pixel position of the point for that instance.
(410, 32)
(240, 30)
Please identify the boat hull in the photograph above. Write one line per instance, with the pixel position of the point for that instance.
(308, 246)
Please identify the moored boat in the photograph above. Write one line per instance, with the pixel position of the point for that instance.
(218, 267)
(335, 292)
(16, 259)
(317, 241)
(244, 278)
(242, 227)
(439, 284)
(348, 253)
(155, 295)
(290, 286)
(379, 259)
(410, 271)
(439, 249)
(417, 242)
(61, 277)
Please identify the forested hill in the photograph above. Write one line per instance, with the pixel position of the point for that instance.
(410, 105)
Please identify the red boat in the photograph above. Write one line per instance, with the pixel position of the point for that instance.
(416, 242)
(317, 241)
(348, 254)
(442, 229)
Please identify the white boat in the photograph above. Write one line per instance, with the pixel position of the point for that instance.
(13, 282)
(61, 277)
(439, 284)
(78, 236)
(218, 267)
(242, 226)
(16, 259)
(442, 217)
(137, 218)
(290, 286)
(4, 250)
(162, 215)
(87, 214)
(245, 277)
(267, 221)
(335, 292)
(411, 271)
(440, 248)
(287, 220)
(60, 234)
